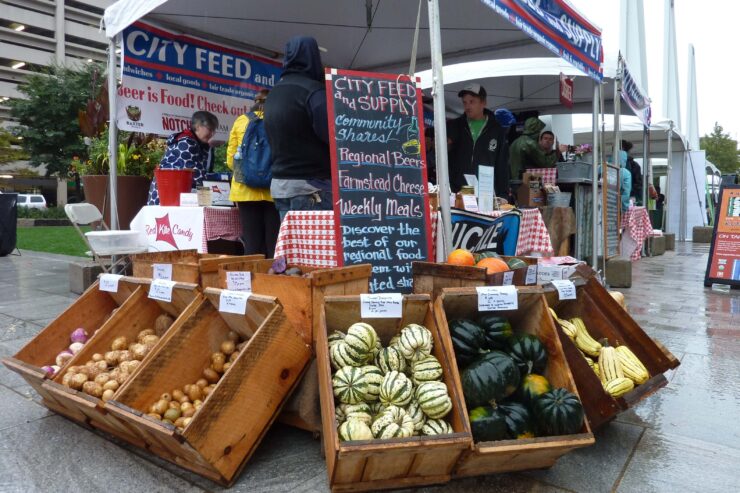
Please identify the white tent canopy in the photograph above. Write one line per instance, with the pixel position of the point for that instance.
(631, 129)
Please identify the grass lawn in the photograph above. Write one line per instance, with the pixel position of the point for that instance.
(52, 239)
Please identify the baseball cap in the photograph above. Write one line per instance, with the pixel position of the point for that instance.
(474, 89)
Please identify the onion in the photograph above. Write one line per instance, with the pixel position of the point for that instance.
(108, 394)
(75, 347)
(79, 335)
(55, 368)
(63, 357)
(49, 370)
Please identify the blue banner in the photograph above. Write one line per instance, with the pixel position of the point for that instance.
(558, 27)
(634, 97)
(482, 233)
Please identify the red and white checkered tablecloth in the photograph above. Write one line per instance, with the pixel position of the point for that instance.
(636, 223)
(307, 237)
(549, 175)
(220, 223)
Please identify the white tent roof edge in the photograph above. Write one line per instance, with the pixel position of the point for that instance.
(123, 13)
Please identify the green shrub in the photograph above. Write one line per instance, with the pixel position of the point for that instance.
(48, 213)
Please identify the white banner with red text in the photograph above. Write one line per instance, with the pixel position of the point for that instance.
(171, 228)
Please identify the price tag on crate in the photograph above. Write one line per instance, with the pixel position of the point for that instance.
(238, 281)
(566, 289)
(162, 271)
(161, 289)
(233, 301)
(381, 305)
(495, 298)
(109, 282)
(531, 275)
(508, 278)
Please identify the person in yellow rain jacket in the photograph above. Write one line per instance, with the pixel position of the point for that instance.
(260, 220)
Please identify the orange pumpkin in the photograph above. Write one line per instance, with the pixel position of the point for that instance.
(492, 265)
(460, 257)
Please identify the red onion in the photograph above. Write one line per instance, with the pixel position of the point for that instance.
(49, 370)
(79, 335)
(64, 357)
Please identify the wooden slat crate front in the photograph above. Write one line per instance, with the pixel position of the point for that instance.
(385, 464)
(532, 318)
(90, 311)
(603, 317)
(229, 426)
(137, 313)
(187, 265)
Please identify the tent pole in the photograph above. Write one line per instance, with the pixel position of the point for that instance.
(440, 126)
(112, 133)
(669, 172)
(683, 198)
(645, 178)
(595, 178)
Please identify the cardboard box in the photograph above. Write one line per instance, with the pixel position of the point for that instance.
(220, 191)
(530, 193)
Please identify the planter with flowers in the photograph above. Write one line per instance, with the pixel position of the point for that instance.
(584, 152)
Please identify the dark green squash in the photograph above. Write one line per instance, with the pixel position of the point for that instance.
(498, 330)
(488, 378)
(531, 388)
(559, 412)
(518, 420)
(528, 353)
(467, 340)
(516, 263)
(488, 424)
(480, 256)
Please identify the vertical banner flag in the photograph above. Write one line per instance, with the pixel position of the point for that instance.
(566, 91)
(381, 204)
(558, 27)
(167, 77)
(638, 102)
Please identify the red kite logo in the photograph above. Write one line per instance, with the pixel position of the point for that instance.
(164, 230)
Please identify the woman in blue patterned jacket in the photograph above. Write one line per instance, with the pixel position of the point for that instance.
(189, 149)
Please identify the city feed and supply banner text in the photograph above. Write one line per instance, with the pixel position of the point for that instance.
(167, 77)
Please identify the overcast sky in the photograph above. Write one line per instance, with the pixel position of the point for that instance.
(712, 27)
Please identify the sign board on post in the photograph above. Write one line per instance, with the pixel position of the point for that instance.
(723, 266)
(611, 210)
(566, 91)
(379, 174)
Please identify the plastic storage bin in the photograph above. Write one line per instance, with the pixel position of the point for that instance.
(575, 170)
(117, 242)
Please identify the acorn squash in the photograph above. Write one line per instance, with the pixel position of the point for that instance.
(559, 412)
(532, 387)
(518, 420)
(490, 377)
(468, 338)
(528, 353)
(497, 329)
(487, 424)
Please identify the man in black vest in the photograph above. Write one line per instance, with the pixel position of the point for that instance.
(634, 168)
(298, 132)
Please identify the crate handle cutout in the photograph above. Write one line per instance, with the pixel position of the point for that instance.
(496, 298)
(381, 305)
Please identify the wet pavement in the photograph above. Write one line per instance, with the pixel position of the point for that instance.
(686, 437)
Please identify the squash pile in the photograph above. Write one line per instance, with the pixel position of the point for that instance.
(502, 380)
(387, 392)
(617, 367)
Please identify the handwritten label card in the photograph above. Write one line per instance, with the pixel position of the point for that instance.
(508, 278)
(238, 281)
(162, 271)
(470, 202)
(566, 289)
(496, 298)
(531, 275)
(233, 301)
(387, 305)
(379, 168)
(188, 200)
(161, 289)
(109, 282)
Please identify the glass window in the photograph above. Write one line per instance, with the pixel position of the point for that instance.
(38, 200)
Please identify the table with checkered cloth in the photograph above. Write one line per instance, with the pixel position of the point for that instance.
(307, 237)
(221, 223)
(636, 223)
(549, 175)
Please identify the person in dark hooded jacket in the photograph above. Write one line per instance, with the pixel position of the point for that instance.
(295, 119)
(525, 152)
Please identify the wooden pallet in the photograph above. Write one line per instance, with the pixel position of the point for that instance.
(187, 265)
(386, 464)
(532, 317)
(604, 317)
(226, 431)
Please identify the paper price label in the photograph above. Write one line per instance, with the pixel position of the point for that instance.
(233, 301)
(161, 289)
(566, 289)
(508, 278)
(162, 271)
(381, 305)
(496, 298)
(238, 281)
(531, 275)
(109, 282)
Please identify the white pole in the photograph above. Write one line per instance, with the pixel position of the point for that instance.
(683, 198)
(112, 133)
(669, 172)
(440, 126)
(595, 177)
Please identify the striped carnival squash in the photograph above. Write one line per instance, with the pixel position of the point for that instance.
(427, 369)
(497, 329)
(374, 378)
(389, 359)
(396, 389)
(342, 355)
(360, 411)
(436, 427)
(361, 339)
(415, 342)
(490, 377)
(434, 399)
(393, 423)
(559, 412)
(528, 353)
(354, 429)
(468, 339)
(417, 415)
(335, 337)
(350, 385)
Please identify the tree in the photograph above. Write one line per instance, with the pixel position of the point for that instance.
(49, 115)
(8, 153)
(722, 151)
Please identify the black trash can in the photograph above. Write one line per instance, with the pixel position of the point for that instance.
(8, 222)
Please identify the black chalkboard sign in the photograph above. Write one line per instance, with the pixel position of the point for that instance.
(379, 174)
(611, 211)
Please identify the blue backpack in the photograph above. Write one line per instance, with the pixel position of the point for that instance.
(253, 159)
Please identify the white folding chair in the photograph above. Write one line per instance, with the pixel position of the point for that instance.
(113, 246)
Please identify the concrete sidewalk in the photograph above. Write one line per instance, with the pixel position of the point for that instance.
(684, 438)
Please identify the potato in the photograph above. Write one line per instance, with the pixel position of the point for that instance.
(233, 336)
(125, 355)
(202, 382)
(73, 369)
(216, 357)
(233, 356)
(177, 394)
(226, 366)
(161, 406)
(111, 385)
(133, 365)
(189, 412)
(139, 351)
(93, 371)
(241, 345)
(186, 421)
(146, 332)
(102, 379)
(218, 367)
(228, 347)
(172, 414)
(121, 377)
(174, 404)
(186, 388)
(155, 416)
(210, 375)
(111, 357)
(108, 394)
(195, 393)
(67, 379)
(197, 403)
(150, 340)
(92, 388)
(84, 370)
(169, 422)
(119, 344)
(166, 396)
(162, 323)
(77, 381)
(97, 357)
(101, 365)
(179, 421)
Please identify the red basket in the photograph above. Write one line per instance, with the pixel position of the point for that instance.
(171, 183)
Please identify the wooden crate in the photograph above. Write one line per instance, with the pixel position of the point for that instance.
(137, 313)
(90, 311)
(431, 278)
(532, 317)
(603, 317)
(397, 463)
(187, 265)
(234, 418)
